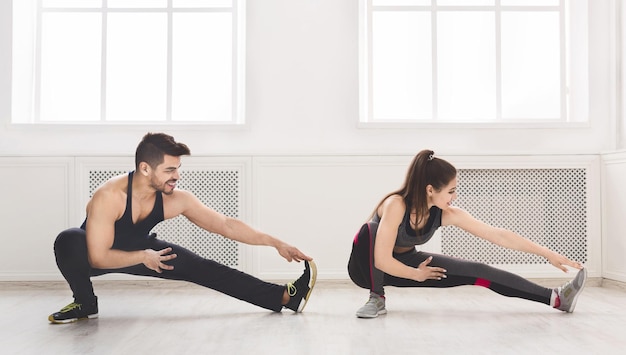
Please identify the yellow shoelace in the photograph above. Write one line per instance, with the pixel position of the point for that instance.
(70, 307)
(291, 289)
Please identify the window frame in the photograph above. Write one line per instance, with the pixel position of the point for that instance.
(574, 81)
(238, 113)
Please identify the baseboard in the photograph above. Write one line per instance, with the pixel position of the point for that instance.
(159, 283)
(619, 285)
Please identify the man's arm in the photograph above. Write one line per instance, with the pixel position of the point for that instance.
(101, 233)
(232, 228)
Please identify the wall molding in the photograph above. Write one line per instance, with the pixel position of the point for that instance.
(316, 203)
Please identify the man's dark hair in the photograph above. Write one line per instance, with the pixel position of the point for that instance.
(154, 146)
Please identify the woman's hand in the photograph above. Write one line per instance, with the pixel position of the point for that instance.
(559, 261)
(426, 272)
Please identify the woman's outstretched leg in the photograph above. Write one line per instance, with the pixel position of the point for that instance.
(463, 272)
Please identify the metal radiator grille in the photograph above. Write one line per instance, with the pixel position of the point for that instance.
(547, 206)
(218, 189)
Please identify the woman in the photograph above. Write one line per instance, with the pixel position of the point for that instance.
(383, 252)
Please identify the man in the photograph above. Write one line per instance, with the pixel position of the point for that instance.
(115, 237)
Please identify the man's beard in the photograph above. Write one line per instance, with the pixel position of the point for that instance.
(163, 187)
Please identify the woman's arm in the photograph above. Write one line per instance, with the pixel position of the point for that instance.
(503, 237)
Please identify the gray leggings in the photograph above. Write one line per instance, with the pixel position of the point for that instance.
(459, 272)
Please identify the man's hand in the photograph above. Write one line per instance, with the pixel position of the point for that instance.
(291, 253)
(153, 259)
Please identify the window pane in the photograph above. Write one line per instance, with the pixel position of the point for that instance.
(530, 2)
(202, 67)
(466, 66)
(465, 2)
(401, 2)
(136, 3)
(72, 3)
(136, 66)
(70, 67)
(530, 65)
(202, 3)
(401, 56)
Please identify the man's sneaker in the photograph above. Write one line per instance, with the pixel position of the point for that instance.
(373, 308)
(300, 290)
(75, 311)
(568, 293)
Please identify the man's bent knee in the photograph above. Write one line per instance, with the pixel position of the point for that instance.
(69, 238)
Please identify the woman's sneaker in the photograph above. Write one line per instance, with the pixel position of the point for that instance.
(300, 290)
(374, 307)
(75, 311)
(568, 293)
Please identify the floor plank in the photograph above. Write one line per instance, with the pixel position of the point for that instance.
(166, 317)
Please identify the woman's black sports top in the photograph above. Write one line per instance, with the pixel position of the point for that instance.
(406, 234)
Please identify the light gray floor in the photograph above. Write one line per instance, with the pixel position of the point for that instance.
(146, 317)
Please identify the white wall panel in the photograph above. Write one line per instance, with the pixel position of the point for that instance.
(232, 173)
(37, 199)
(590, 164)
(318, 204)
(315, 203)
(613, 217)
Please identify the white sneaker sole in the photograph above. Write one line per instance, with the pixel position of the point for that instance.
(71, 320)
(311, 284)
(366, 315)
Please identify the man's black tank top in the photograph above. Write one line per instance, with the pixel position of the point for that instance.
(125, 229)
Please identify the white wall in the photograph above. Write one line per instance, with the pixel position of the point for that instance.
(37, 203)
(321, 202)
(317, 203)
(302, 98)
(613, 221)
(302, 101)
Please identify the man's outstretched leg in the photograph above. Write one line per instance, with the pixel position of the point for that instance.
(71, 255)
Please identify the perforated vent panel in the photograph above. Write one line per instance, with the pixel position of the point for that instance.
(547, 206)
(218, 189)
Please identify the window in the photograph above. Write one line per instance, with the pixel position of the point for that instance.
(473, 61)
(128, 61)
